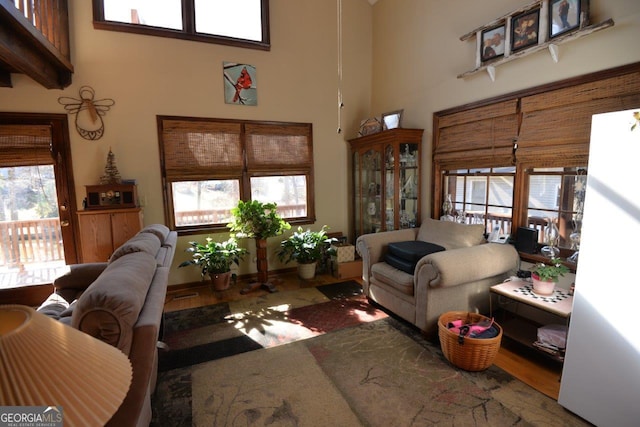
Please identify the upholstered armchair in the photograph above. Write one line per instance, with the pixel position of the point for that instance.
(456, 275)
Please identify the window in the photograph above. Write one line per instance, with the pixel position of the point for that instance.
(208, 165)
(482, 196)
(242, 23)
(557, 194)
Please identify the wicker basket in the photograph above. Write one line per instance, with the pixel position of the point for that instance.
(474, 354)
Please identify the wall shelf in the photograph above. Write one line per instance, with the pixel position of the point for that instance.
(551, 45)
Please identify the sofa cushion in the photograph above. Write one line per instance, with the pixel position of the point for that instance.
(390, 276)
(109, 308)
(160, 230)
(451, 235)
(400, 264)
(413, 250)
(54, 306)
(141, 242)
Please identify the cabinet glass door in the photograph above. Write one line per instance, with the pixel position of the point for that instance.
(389, 188)
(371, 189)
(409, 191)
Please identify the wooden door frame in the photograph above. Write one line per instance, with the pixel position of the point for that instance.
(63, 169)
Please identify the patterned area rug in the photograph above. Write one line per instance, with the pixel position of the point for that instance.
(221, 330)
(351, 366)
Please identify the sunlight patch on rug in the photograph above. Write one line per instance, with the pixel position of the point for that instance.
(280, 301)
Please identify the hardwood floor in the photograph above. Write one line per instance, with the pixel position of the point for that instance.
(535, 371)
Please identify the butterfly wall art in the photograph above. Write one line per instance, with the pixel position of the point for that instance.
(240, 84)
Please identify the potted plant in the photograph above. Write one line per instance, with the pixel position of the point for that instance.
(254, 219)
(306, 247)
(215, 259)
(545, 275)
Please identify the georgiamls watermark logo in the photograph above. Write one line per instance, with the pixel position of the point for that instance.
(31, 416)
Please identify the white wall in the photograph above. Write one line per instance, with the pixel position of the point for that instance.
(418, 56)
(147, 76)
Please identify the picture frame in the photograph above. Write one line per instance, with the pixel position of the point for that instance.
(492, 43)
(239, 81)
(370, 126)
(564, 16)
(392, 120)
(525, 29)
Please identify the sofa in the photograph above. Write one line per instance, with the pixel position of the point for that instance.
(121, 303)
(454, 276)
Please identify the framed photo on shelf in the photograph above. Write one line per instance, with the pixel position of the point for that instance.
(370, 126)
(564, 16)
(492, 45)
(524, 29)
(392, 120)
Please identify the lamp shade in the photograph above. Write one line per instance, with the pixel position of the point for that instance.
(46, 363)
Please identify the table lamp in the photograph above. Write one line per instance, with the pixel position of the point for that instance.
(46, 363)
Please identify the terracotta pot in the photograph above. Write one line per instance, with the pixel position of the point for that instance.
(307, 271)
(542, 287)
(220, 281)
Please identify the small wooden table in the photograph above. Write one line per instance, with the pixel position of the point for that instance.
(559, 304)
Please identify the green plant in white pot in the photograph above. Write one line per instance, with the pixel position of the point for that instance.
(306, 247)
(545, 275)
(215, 259)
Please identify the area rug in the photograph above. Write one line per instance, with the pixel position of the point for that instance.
(377, 373)
(207, 333)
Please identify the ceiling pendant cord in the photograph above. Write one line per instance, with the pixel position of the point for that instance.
(340, 103)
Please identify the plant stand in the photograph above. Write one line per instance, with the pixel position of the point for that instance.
(263, 271)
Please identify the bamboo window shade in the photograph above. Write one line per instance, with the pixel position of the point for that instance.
(25, 145)
(556, 125)
(552, 128)
(200, 149)
(275, 147)
(193, 149)
(483, 137)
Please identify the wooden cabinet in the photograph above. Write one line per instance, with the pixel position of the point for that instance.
(386, 180)
(103, 231)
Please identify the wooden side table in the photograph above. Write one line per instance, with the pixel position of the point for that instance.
(517, 292)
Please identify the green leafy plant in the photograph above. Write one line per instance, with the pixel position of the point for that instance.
(214, 257)
(551, 271)
(257, 220)
(305, 246)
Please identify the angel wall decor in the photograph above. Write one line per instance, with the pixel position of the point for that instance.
(88, 111)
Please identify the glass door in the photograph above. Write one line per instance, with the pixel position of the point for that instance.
(371, 191)
(36, 232)
(389, 188)
(409, 188)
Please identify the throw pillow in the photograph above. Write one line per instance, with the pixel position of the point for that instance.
(413, 250)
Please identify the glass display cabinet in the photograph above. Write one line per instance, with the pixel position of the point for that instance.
(386, 180)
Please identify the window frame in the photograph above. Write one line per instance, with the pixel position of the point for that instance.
(450, 177)
(247, 171)
(552, 129)
(189, 27)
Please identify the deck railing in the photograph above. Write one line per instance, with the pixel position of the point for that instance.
(222, 216)
(31, 241)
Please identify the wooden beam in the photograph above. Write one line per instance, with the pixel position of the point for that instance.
(27, 51)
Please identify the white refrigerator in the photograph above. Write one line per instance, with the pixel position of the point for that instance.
(601, 373)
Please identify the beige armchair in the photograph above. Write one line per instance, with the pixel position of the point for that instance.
(457, 278)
